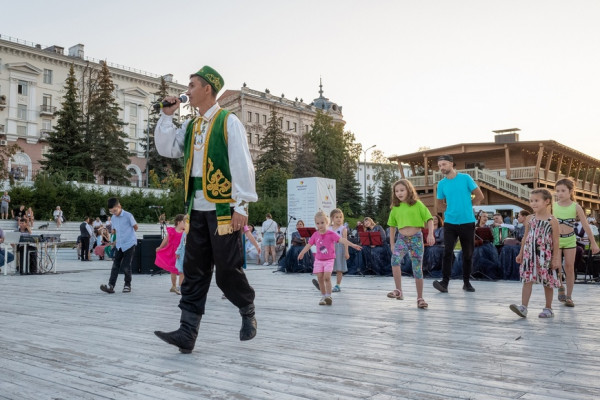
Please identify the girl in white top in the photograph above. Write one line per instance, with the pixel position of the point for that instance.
(341, 250)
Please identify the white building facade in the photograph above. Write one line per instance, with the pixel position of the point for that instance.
(254, 107)
(32, 80)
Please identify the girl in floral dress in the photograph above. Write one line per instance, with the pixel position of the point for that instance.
(540, 254)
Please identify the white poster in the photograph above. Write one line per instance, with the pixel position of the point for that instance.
(306, 196)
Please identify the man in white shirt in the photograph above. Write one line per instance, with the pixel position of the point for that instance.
(218, 191)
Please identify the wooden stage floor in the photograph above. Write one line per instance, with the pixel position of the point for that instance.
(62, 338)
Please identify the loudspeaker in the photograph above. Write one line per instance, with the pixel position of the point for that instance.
(135, 261)
(148, 255)
(152, 237)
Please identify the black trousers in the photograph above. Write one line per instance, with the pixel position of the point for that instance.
(204, 249)
(85, 248)
(124, 259)
(466, 234)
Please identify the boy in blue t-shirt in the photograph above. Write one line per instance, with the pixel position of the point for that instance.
(454, 196)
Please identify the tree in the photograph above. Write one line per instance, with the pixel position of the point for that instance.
(305, 164)
(348, 187)
(328, 142)
(161, 166)
(384, 198)
(273, 166)
(66, 151)
(106, 137)
(370, 207)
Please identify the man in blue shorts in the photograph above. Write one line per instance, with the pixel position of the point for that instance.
(456, 195)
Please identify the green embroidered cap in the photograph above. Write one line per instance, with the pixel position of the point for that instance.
(214, 79)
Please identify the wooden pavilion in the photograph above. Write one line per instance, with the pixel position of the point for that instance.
(508, 169)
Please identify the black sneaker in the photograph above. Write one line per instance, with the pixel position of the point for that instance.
(316, 283)
(107, 288)
(126, 289)
(441, 286)
(468, 288)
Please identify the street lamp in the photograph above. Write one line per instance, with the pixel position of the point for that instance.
(365, 171)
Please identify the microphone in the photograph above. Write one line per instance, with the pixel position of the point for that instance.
(294, 218)
(155, 207)
(161, 104)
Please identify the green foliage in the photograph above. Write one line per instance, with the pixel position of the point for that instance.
(370, 206)
(273, 183)
(384, 199)
(106, 138)
(66, 151)
(276, 206)
(276, 148)
(50, 190)
(305, 164)
(6, 152)
(328, 142)
(161, 166)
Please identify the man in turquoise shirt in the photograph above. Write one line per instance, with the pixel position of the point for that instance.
(456, 195)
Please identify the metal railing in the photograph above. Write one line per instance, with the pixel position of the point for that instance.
(47, 109)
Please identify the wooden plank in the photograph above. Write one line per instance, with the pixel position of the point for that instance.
(66, 339)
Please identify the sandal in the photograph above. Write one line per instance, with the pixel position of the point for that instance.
(569, 302)
(421, 303)
(562, 297)
(546, 313)
(395, 294)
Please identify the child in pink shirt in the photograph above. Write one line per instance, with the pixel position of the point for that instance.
(325, 241)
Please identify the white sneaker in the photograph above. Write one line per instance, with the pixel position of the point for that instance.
(266, 264)
(521, 310)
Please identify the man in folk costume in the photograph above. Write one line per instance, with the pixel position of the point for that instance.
(219, 183)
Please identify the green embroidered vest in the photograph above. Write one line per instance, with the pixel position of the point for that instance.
(216, 176)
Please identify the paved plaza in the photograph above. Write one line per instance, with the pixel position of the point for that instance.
(62, 338)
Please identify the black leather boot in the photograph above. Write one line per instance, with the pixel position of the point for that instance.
(248, 330)
(185, 336)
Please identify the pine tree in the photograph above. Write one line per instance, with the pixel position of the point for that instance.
(106, 137)
(305, 161)
(273, 166)
(348, 187)
(276, 147)
(162, 166)
(384, 199)
(66, 152)
(370, 207)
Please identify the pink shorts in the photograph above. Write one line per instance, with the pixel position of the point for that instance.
(323, 265)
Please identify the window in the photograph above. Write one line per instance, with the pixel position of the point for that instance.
(264, 119)
(295, 127)
(46, 125)
(368, 177)
(47, 103)
(257, 118)
(48, 76)
(305, 128)
(133, 111)
(288, 125)
(22, 88)
(249, 138)
(249, 116)
(21, 111)
(45, 150)
(132, 130)
(132, 146)
(281, 123)
(258, 139)
(21, 130)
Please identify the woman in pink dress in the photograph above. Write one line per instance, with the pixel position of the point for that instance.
(165, 253)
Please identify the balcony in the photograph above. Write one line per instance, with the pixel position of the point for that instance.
(45, 133)
(47, 110)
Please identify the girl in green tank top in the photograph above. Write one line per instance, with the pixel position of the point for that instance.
(566, 210)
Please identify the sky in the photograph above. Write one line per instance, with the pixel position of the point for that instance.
(408, 74)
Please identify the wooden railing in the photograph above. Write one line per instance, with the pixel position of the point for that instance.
(498, 179)
(492, 178)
